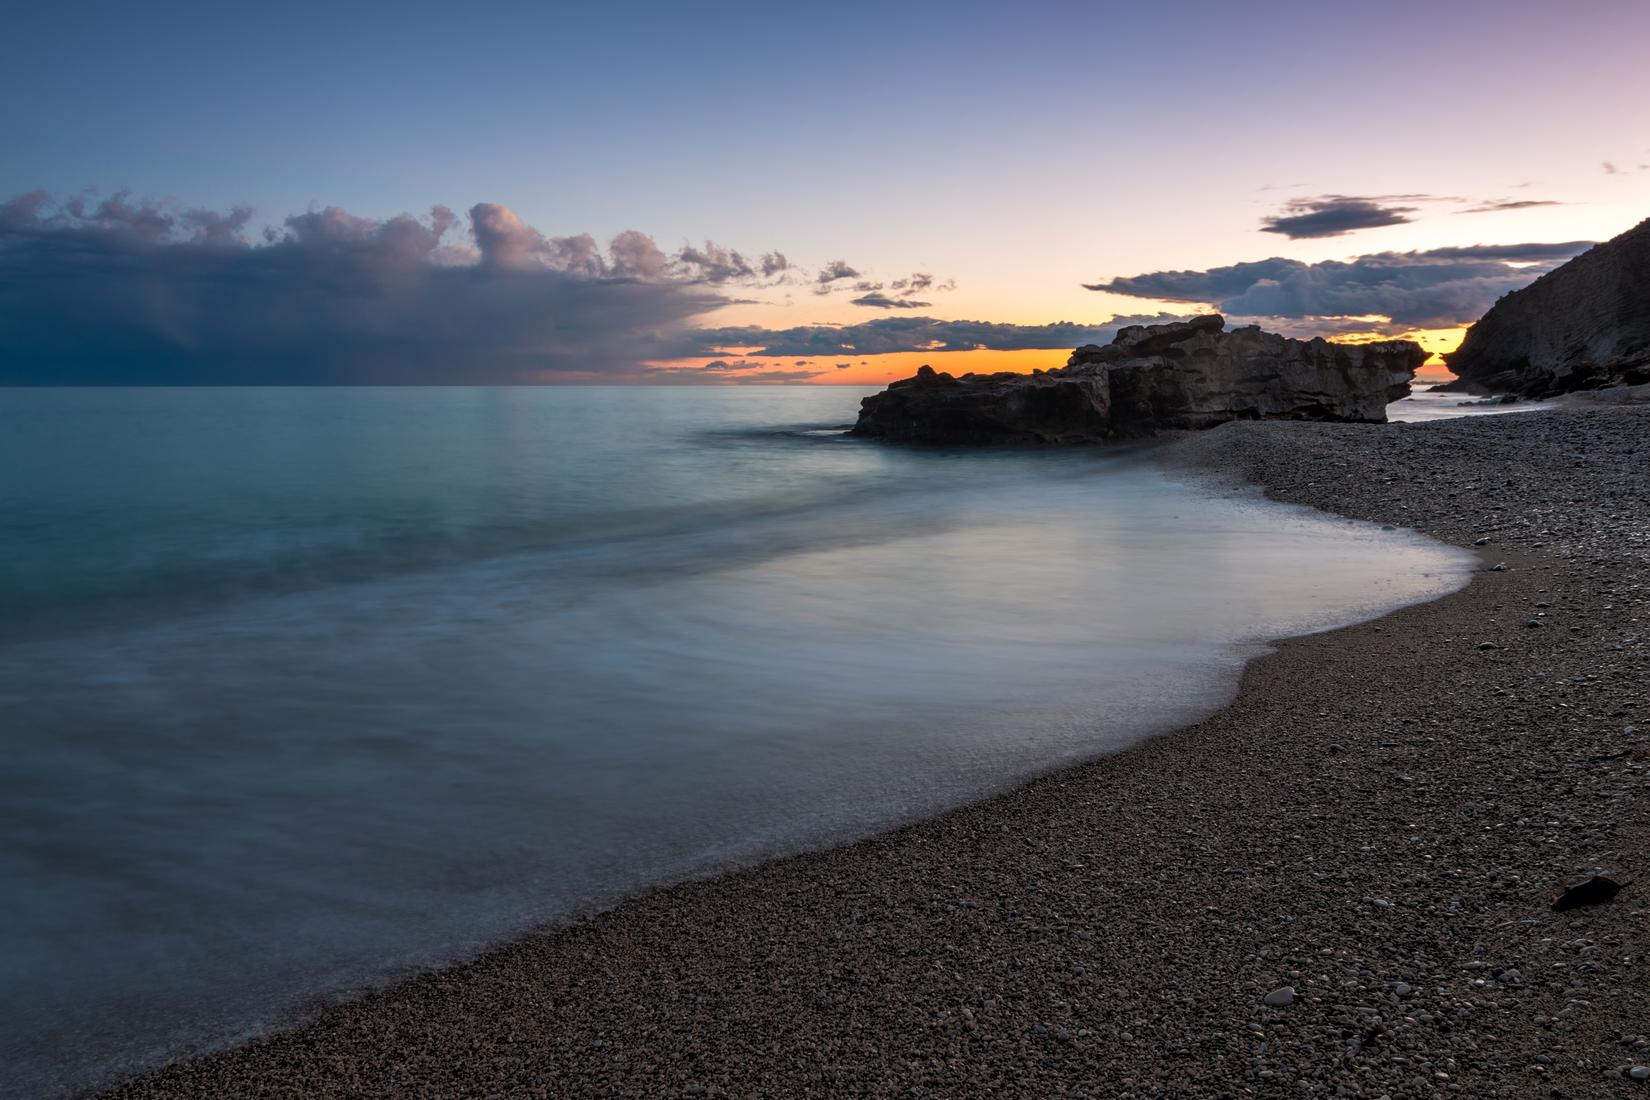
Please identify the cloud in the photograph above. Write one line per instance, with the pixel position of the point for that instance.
(1610, 169)
(882, 301)
(894, 334)
(1511, 253)
(770, 377)
(834, 277)
(1436, 288)
(1491, 206)
(717, 265)
(124, 292)
(719, 365)
(836, 269)
(1337, 215)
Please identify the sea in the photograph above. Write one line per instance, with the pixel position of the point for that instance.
(303, 691)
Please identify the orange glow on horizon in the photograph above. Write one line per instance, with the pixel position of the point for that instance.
(873, 370)
(1436, 341)
(879, 370)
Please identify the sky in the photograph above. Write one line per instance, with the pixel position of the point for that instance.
(643, 193)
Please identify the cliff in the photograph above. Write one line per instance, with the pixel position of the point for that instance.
(1583, 326)
(1191, 374)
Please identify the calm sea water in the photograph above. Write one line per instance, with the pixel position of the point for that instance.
(304, 689)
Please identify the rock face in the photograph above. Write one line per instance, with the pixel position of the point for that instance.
(1583, 326)
(1191, 374)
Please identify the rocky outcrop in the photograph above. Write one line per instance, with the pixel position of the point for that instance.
(1191, 374)
(1582, 326)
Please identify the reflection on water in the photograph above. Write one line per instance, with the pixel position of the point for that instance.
(305, 688)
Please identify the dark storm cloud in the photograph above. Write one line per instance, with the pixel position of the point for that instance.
(1440, 287)
(1335, 215)
(148, 293)
(891, 334)
(883, 301)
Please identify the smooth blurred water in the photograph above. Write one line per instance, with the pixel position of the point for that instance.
(303, 689)
(1428, 402)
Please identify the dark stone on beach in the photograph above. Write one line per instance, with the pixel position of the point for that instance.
(1187, 375)
(1583, 326)
(1593, 891)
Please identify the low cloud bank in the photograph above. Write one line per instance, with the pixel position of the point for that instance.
(896, 334)
(1438, 288)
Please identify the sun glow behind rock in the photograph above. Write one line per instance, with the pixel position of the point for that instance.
(1436, 342)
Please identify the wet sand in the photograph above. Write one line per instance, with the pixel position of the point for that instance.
(1378, 820)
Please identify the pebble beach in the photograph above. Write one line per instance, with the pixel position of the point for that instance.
(1340, 884)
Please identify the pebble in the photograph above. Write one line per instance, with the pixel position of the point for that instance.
(1282, 997)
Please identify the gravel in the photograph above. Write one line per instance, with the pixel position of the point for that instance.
(1380, 821)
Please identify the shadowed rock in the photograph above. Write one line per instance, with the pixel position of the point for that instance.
(1594, 890)
(1583, 326)
(1190, 374)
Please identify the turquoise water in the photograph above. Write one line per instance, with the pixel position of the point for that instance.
(305, 689)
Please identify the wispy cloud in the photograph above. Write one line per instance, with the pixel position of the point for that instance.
(834, 271)
(1495, 206)
(879, 300)
(1338, 215)
(874, 294)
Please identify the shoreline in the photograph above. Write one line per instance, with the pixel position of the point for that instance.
(1109, 929)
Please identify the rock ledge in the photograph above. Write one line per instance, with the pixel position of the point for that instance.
(1190, 374)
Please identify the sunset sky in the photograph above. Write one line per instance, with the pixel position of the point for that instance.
(910, 165)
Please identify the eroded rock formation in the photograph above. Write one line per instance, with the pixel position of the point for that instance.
(1583, 326)
(1191, 374)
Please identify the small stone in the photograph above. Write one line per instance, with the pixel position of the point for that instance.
(1282, 997)
(1485, 541)
(1488, 645)
(1639, 1073)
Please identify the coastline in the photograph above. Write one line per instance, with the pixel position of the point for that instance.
(1381, 804)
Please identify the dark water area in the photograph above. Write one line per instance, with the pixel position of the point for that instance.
(303, 690)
